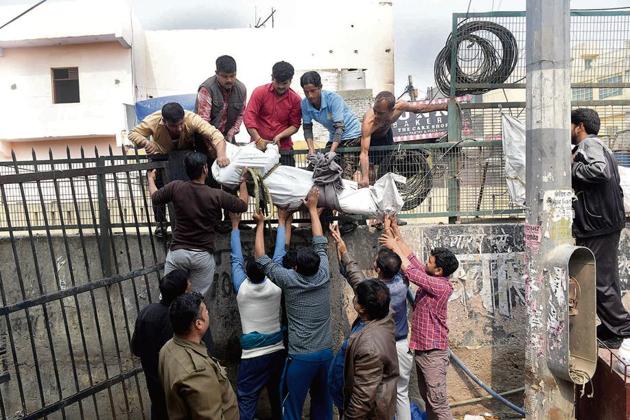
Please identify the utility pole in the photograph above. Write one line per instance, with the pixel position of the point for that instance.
(549, 193)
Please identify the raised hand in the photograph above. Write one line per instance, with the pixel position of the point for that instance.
(312, 198)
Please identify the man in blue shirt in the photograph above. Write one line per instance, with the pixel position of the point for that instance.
(330, 110)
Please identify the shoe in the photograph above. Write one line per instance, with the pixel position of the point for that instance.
(161, 231)
(612, 343)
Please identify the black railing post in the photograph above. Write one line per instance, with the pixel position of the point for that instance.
(104, 221)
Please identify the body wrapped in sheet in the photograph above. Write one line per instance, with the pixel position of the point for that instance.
(288, 185)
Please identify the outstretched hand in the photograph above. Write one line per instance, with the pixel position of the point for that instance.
(388, 240)
(312, 198)
(283, 215)
(259, 217)
(391, 225)
(336, 235)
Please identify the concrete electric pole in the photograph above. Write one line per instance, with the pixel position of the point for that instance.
(549, 197)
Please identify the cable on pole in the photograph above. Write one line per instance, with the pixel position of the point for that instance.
(487, 53)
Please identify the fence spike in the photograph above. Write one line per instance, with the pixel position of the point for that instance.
(33, 153)
(96, 152)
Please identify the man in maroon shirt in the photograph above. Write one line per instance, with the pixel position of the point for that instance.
(274, 112)
(429, 330)
(197, 212)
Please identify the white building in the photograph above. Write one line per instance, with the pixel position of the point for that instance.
(66, 70)
(69, 67)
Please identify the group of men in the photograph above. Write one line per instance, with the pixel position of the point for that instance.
(291, 358)
(369, 376)
(272, 114)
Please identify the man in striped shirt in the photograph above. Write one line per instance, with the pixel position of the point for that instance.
(429, 330)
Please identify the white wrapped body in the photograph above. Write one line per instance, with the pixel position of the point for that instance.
(288, 185)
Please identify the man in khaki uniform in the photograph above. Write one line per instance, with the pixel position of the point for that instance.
(195, 385)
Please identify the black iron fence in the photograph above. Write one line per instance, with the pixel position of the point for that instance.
(71, 285)
(464, 179)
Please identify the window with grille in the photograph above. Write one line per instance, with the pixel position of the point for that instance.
(608, 92)
(582, 94)
(65, 85)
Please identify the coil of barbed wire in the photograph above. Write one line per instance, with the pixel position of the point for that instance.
(413, 165)
(486, 53)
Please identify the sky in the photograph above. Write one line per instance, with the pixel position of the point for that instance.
(420, 26)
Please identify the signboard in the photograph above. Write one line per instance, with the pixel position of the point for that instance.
(422, 126)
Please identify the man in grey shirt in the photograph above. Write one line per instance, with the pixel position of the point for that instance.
(306, 290)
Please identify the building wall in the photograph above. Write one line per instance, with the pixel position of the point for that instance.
(105, 83)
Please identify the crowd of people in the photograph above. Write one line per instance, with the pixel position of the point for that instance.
(284, 300)
(369, 375)
(272, 114)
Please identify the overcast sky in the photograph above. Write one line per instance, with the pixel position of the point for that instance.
(420, 26)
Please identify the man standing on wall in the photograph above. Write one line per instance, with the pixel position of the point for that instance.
(273, 113)
(330, 110)
(599, 219)
(221, 99)
(376, 129)
(221, 102)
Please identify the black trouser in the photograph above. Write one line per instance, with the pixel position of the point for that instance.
(610, 310)
(159, 211)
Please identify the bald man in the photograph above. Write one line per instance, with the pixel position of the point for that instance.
(376, 129)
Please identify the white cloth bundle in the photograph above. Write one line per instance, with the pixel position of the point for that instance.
(288, 185)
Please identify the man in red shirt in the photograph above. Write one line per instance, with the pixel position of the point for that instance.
(429, 330)
(274, 112)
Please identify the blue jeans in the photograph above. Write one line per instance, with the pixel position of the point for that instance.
(304, 372)
(253, 375)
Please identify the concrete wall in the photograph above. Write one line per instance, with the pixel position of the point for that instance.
(487, 318)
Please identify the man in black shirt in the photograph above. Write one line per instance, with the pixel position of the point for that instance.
(598, 220)
(152, 330)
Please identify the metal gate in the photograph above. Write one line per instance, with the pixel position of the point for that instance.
(78, 261)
